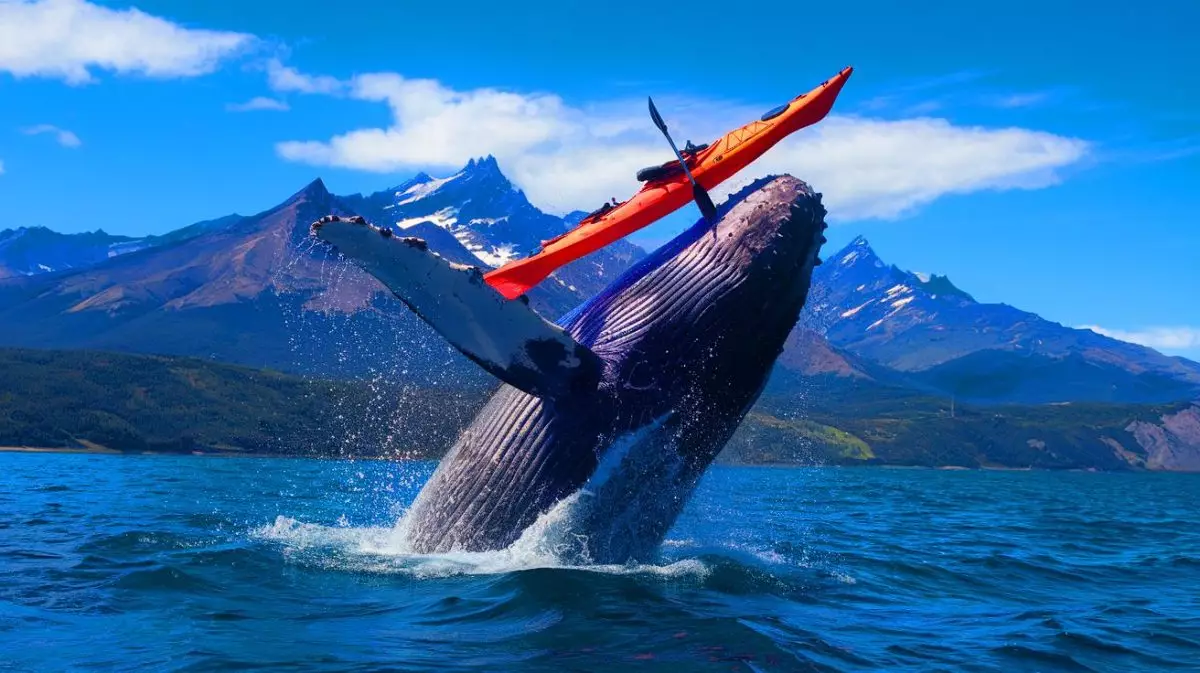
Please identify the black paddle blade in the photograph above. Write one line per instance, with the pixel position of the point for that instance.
(658, 120)
(707, 208)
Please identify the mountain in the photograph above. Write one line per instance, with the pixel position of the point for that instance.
(493, 220)
(865, 424)
(30, 251)
(81, 400)
(257, 291)
(942, 339)
(123, 402)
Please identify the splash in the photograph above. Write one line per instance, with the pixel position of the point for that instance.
(599, 518)
(549, 542)
(390, 387)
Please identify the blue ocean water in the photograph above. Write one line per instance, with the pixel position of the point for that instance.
(195, 564)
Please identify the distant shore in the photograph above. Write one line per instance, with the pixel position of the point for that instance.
(104, 450)
(58, 449)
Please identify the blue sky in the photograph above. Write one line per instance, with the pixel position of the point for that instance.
(1045, 155)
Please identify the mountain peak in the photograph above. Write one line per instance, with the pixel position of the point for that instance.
(856, 251)
(313, 190)
(939, 285)
(483, 166)
(575, 217)
(420, 178)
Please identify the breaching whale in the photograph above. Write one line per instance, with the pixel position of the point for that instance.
(621, 405)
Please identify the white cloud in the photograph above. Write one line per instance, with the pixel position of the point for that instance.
(1160, 338)
(63, 136)
(568, 157)
(68, 39)
(884, 169)
(283, 78)
(258, 103)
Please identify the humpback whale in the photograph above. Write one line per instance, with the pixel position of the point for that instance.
(618, 407)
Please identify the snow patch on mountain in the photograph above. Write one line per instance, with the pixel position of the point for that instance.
(423, 189)
(497, 256)
(487, 215)
(856, 309)
(444, 218)
(915, 321)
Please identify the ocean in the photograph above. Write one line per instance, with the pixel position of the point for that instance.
(161, 563)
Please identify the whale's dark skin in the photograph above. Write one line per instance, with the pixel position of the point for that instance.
(688, 338)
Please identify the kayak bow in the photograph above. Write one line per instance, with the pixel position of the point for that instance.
(662, 196)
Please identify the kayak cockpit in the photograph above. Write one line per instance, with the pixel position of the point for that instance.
(599, 212)
(671, 168)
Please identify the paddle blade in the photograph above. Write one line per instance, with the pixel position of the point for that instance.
(658, 120)
(707, 208)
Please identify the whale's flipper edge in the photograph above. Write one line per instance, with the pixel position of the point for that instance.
(507, 338)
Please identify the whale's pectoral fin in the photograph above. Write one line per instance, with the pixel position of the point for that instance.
(507, 338)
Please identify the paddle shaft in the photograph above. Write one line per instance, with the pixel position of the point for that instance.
(707, 209)
(663, 127)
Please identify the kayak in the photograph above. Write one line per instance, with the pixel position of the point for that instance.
(668, 189)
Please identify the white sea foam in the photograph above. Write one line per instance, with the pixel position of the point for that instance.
(547, 543)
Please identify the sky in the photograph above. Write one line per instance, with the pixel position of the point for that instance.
(1042, 154)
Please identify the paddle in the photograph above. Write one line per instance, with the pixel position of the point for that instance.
(703, 200)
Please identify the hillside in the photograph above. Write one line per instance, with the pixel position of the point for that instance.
(941, 339)
(256, 291)
(861, 423)
(137, 403)
(30, 251)
(150, 403)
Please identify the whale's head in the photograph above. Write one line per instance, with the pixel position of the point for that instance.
(710, 310)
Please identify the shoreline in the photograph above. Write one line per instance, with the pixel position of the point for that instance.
(98, 450)
(105, 451)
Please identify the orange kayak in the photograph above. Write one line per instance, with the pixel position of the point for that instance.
(668, 190)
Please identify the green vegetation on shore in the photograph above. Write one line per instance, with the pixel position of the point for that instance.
(139, 403)
(852, 423)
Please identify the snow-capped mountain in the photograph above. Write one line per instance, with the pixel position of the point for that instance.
(32, 250)
(242, 291)
(926, 326)
(857, 298)
(480, 207)
(492, 219)
(29, 251)
(235, 289)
